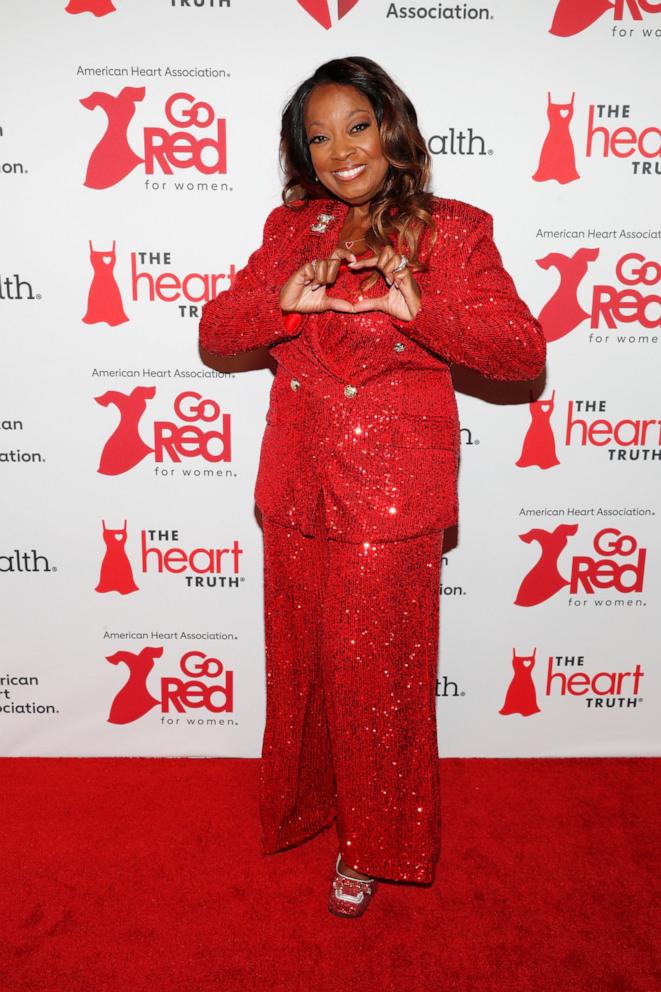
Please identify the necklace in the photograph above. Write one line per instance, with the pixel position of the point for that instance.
(350, 244)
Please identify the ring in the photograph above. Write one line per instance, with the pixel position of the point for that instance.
(402, 265)
(313, 263)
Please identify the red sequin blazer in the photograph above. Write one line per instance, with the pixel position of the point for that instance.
(362, 408)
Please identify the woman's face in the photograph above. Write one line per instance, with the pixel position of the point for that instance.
(345, 147)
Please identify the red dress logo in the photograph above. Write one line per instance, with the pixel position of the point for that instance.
(202, 683)
(556, 160)
(104, 301)
(125, 448)
(544, 580)
(320, 10)
(97, 7)
(562, 313)
(116, 572)
(573, 16)
(521, 696)
(198, 141)
(539, 443)
(134, 699)
(113, 158)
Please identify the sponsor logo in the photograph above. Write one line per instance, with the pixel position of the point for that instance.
(606, 137)
(105, 304)
(439, 12)
(200, 431)
(573, 16)
(25, 561)
(446, 688)
(14, 288)
(161, 552)
(613, 562)
(201, 683)
(630, 297)
(27, 708)
(566, 678)
(97, 7)
(459, 142)
(323, 10)
(557, 159)
(15, 456)
(624, 440)
(193, 138)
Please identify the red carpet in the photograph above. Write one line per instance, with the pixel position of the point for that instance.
(132, 874)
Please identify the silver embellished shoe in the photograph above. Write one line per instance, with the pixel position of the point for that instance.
(350, 896)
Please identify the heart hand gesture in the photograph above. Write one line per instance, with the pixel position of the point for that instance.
(402, 301)
(305, 292)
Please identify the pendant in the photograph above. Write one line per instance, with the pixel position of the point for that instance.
(322, 222)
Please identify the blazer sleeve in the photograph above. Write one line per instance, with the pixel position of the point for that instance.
(248, 315)
(471, 313)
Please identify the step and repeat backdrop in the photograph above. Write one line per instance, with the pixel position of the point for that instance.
(138, 161)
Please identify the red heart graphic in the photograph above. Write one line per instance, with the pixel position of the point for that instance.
(319, 9)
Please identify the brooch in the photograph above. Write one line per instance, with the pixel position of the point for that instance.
(322, 222)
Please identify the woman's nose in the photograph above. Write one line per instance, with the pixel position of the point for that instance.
(342, 150)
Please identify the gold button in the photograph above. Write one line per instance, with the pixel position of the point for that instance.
(350, 390)
(399, 346)
(294, 384)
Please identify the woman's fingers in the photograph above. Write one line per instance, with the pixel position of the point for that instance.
(340, 305)
(326, 269)
(308, 273)
(387, 261)
(344, 254)
(371, 303)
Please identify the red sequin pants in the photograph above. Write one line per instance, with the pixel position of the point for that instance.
(351, 664)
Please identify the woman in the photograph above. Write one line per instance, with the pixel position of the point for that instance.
(365, 288)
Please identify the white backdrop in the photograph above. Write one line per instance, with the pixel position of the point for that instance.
(169, 457)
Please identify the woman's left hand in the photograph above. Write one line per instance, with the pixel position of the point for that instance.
(403, 299)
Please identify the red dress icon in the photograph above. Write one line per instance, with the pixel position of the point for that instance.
(116, 572)
(113, 158)
(539, 443)
(562, 313)
(521, 695)
(125, 448)
(104, 301)
(556, 160)
(544, 580)
(133, 700)
(572, 16)
(97, 7)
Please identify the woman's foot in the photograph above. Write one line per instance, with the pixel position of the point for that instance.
(345, 870)
(350, 895)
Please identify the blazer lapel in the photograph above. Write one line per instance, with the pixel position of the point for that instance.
(323, 224)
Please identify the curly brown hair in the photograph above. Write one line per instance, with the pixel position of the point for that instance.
(403, 206)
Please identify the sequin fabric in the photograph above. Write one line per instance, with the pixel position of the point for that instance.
(351, 633)
(362, 408)
(356, 484)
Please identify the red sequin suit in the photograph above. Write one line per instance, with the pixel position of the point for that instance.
(356, 484)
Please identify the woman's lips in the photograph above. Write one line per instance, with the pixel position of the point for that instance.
(347, 175)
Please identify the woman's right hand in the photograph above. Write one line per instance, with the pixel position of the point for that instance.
(305, 290)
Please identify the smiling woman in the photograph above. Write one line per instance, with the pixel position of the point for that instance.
(351, 129)
(382, 285)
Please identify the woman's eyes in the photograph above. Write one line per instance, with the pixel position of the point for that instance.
(320, 137)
